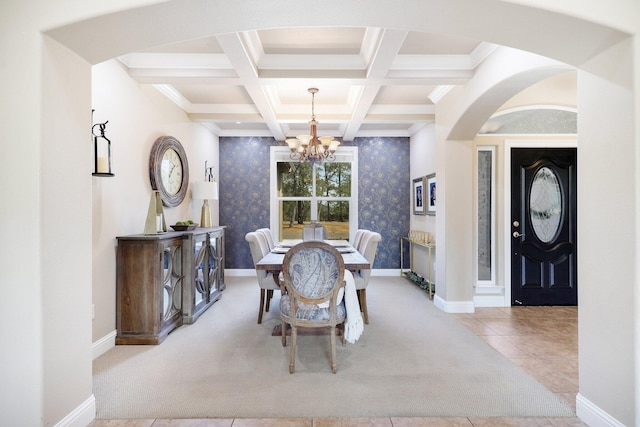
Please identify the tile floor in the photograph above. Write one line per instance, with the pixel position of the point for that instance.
(541, 340)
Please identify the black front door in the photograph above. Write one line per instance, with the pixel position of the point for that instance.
(543, 226)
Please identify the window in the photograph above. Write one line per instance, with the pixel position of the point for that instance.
(306, 192)
(485, 223)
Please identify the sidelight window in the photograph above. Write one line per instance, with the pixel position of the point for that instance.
(485, 220)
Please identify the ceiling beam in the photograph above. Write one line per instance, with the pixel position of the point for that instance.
(247, 70)
(387, 47)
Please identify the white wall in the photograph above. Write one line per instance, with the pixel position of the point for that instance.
(65, 225)
(45, 263)
(20, 277)
(559, 90)
(137, 116)
(422, 162)
(607, 240)
(454, 221)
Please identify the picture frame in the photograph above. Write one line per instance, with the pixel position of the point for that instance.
(419, 185)
(430, 195)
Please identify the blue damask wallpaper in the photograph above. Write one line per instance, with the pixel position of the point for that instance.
(383, 193)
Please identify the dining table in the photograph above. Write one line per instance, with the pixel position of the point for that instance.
(353, 261)
(272, 262)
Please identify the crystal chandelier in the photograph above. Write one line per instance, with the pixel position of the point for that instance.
(310, 148)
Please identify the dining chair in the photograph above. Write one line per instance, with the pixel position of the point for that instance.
(368, 248)
(259, 248)
(313, 275)
(269, 236)
(358, 237)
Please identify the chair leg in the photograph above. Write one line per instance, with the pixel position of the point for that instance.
(362, 294)
(334, 367)
(292, 353)
(261, 305)
(284, 333)
(340, 328)
(269, 296)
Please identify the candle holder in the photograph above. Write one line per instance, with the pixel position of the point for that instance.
(156, 223)
(101, 150)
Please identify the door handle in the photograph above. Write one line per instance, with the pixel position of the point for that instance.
(517, 234)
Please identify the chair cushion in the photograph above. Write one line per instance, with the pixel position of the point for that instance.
(311, 311)
(313, 272)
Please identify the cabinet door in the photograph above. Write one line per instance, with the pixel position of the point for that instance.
(149, 287)
(172, 283)
(204, 264)
(215, 265)
(200, 276)
(216, 240)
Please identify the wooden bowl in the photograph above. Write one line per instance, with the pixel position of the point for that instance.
(184, 227)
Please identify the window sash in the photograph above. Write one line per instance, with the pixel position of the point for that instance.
(344, 154)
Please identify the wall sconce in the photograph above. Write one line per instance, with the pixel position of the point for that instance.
(205, 190)
(101, 150)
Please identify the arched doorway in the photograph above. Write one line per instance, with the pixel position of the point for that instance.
(416, 16)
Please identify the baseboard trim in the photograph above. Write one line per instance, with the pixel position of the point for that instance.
(386, 272)
(239, 272)
(81, 416)
(104, 344)
(453, 306)
(488, 300)
(592, 415)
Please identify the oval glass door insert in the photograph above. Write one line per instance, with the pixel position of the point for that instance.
(545, 205)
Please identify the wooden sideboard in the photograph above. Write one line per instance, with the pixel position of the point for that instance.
(165, 280)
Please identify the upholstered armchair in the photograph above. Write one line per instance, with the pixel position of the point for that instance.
(313, 275)
(259, 248)
(358, 237)
(269, 236)
(368, 247)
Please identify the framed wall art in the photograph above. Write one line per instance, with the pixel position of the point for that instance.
(419, 185)
(430, 196)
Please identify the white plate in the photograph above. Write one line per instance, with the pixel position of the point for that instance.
(346, 250)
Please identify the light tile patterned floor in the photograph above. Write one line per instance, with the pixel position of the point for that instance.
(541, 340)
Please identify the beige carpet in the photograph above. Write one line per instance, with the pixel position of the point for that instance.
(412, 360)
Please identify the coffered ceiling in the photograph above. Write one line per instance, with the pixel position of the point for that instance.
(371, 81)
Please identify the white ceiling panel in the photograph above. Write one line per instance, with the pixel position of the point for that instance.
(370, 80)
(213, 94)
(339, 40)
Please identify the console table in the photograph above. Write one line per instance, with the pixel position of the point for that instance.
(164, 280)
(430, 250)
